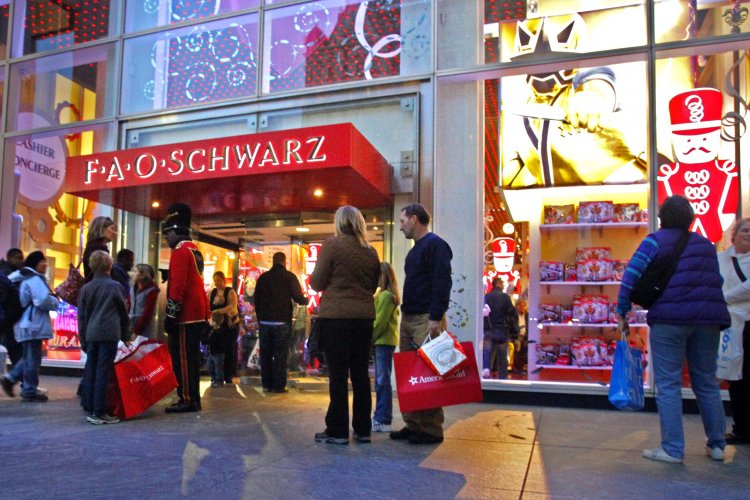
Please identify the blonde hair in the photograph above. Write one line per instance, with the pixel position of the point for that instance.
(97, 227)
(349, 220)
(388, 281)
(100, 262)
(737, 226)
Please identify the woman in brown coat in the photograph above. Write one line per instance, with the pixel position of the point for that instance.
(347, 272)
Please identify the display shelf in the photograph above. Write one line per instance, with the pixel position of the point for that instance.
(589, 325)
(571, 367)
(586, 225)
(579, 283)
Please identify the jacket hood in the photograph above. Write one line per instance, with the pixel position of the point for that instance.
(23, 274)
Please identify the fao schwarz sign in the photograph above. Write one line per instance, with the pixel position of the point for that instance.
(290, 150)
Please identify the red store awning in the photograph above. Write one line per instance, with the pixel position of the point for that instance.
(270, 172)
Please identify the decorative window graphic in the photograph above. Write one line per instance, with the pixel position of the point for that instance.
(144, 14)
(55, 24)
(322, 43)
(194, 65)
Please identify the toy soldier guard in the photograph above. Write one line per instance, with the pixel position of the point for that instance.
(187, 307)
(710, 184)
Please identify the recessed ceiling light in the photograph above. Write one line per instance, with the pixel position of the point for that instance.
(155, 204)
(374, 228)
(318, 193)
(302, 229)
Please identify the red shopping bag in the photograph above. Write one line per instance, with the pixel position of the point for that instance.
(144, 377)
(419, 388)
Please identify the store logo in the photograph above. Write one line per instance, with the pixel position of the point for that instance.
(413, 380)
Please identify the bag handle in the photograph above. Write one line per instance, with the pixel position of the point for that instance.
(736, 263)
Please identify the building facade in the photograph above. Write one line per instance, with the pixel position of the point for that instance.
(541, 134)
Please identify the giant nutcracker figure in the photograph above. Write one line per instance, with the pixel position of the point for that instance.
(187, 307)
(710, 184)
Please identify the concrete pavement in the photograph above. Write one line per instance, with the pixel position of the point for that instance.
(247, 444)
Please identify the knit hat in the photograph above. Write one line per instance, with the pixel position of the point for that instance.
(33, 259)
(178, 218)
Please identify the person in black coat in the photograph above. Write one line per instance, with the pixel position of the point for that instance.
(13, 262)
(499, 326)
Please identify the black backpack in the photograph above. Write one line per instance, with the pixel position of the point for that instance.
(657, 275)
(10, 302)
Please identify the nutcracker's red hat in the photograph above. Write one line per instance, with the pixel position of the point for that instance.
(696, 111)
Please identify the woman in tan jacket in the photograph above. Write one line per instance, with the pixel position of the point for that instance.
(347, 272)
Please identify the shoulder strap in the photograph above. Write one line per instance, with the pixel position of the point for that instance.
(737, 269)
(226, 294)
(213, 295)
(681, 244)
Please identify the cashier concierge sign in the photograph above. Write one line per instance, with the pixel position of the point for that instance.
(41, 162)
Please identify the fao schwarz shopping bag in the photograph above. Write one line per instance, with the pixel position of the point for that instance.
(143, 377)
(626, 382)
(730, 356)
(419, 388)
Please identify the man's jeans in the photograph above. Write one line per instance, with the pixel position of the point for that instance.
(274, 349)
(100, 360)
(27, 368)
(383, 390)
(670, 345)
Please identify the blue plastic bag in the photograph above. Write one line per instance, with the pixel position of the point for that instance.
(626, 384)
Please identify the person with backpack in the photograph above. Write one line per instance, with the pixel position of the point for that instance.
(11, 305)
(685, 320)
(34, 326)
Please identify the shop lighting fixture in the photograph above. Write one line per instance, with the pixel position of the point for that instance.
(318, 193)
(374, 228)
(508, 228)
(230, 255)
(302, 229)
(155, 204)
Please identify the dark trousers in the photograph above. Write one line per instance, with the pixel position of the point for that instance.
(184, 347)
(495, 356)
(274, 349)
(230, 354)
(100, 361)
(15, 350)
(346, 343)
(739, 391)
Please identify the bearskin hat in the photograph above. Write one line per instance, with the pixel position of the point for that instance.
(177, 218)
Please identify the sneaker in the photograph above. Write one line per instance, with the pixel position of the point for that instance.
(380, 427)
(424, 438)
(361, 439)
(7, 386)
(660, 455)
(217, 384)
(323, 437)
(715, 453)
(486, 373)
(402, 435)
(102, 419)
(35, 398)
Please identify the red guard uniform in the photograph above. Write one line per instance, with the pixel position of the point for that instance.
(186, 297)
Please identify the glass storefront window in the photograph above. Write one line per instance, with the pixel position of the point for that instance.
(677, 20)
(52, 220)
(568, 148)
(2, 89)
(193, 65)
(529, 31)
(327, 42)
(4, 18)
(146, 14)
(60, 89)
(49, 25)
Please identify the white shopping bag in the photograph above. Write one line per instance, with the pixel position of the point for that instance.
(444, 354)
(729, 360)
(123, 349)
(253, 361)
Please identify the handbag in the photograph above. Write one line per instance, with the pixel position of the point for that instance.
(626, 381)
(253, 360)
(731, 352)
(443, 354)
(69, 289)
(656, 277)
(143, 378)
(418, 387)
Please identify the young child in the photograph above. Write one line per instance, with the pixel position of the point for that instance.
(102, 322)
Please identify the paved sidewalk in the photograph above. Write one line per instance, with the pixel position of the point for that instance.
(246, 444)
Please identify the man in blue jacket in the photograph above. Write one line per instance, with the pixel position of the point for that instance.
(427, 289)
